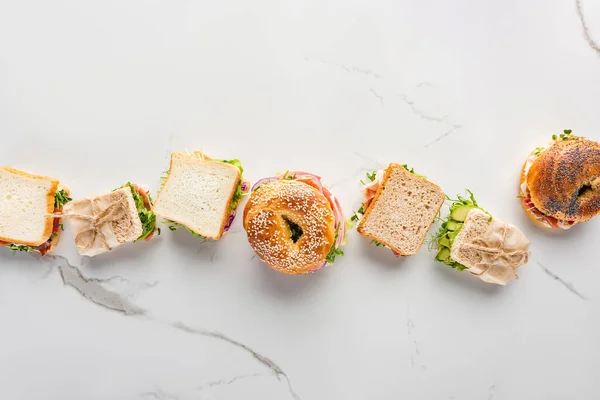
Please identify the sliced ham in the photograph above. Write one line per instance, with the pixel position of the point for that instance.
(547, 219)
(144, 195)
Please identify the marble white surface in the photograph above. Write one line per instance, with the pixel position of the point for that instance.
(98, 93)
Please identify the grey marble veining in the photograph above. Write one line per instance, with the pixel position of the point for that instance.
(101, 94)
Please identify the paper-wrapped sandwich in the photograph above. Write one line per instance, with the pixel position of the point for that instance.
(101, 223)
(487, 247)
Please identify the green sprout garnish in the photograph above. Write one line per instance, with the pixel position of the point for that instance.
(451, 226)
(355, 216)
(61, 198)
(173, 226)
(288, 177)
(412, 171)
(566, 135)
(20, 247)
(334, 252)
(164, 177)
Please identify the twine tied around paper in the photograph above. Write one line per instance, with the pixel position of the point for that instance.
(116, 211)
(495, 253)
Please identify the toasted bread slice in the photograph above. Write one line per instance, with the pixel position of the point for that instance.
(198, 194)
(26, 206)
(402, 211)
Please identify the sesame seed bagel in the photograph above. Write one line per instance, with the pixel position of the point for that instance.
(564, 181)
(271, 212)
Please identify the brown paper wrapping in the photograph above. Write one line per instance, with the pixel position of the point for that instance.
(492, 249)
(103, 222)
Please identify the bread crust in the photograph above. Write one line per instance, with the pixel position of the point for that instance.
(564, 181)
(386, 176)
(49, 221)
(203, 159)
(228, 212)
(359, 229)
(266, 217)
(528, 212)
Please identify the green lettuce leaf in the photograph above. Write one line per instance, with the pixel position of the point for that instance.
(147, 217)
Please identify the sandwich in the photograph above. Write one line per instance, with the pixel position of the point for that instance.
(399, 208)
(28, 204)
(101, 223)
(471, 239)
(560, 182)
(201, 194)
(294, 223)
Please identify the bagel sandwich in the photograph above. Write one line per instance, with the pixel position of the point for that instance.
(201, 194)
(560, 183)
(294, 223)
(27, 206)
(399, 208)
(102, 222)
(471, 239)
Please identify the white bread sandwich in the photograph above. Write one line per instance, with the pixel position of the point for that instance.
(399, 208)
(201, 194)
(471, 239)
(27, 207)
(560, 183)
(101, 223)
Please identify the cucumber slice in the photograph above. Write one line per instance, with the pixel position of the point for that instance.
(444, 241)
(460, 213)
(443, 255)
(452, 225)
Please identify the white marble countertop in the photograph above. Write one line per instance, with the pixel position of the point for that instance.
(99, 93)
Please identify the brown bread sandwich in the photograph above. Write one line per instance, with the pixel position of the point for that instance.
(399, 208)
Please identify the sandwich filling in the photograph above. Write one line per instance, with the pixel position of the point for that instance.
(546, 220)
(341, 235)
(60, 199)
(451, 226)
(143, 204)
(241, 190)
(369, 190)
